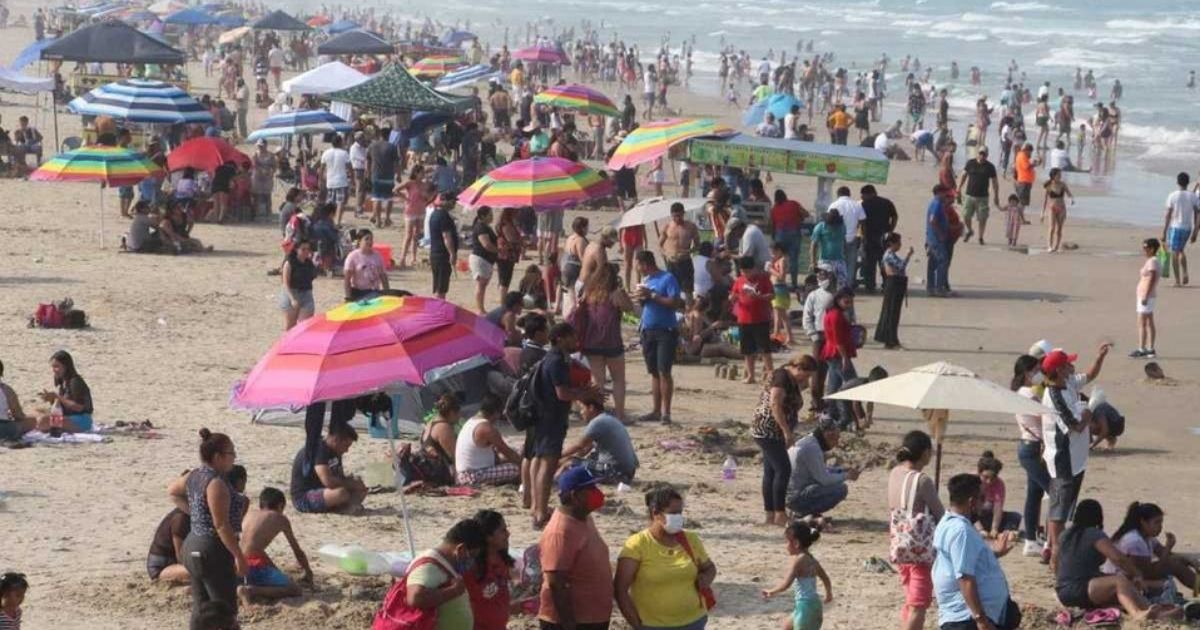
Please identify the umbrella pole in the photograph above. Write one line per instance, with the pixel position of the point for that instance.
(937, 467)
(101, 216)
(412, 547)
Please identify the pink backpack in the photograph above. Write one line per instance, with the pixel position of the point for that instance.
(396, 614)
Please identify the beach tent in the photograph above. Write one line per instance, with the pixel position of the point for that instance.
(467, 76)
(325, 78)
(341, 26)
(29, 54)
(394, 89)
(279, 21)
(191, 17)
(112, 42)
(230, 20)
(16, 82)
(356, 43)
(456, 38)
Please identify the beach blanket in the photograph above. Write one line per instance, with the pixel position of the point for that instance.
(37, 437)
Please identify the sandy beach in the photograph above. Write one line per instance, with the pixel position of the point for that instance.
(170, 335)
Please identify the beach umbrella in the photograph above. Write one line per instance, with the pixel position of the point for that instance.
(542, 54)
(318, 21)
(191, 17)
(937, 389)
(656, 209)
(456, 38)
(205, 154)
(231, 20)
(580, 98)
(365, 346)
(142, 101)
(166, 7)
(341, 26)
(436, 66)
(304, 121)
(356, 43)
(655, 138)
(547, 183)
(108, 166)
(234, 34)
(779, 105)
(466, 76)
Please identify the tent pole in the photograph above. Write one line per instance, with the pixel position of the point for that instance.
(54, 108)
(937, 467)
(101, 216)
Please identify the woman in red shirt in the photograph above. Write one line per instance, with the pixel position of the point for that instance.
(838, 353)
(488, 581)
(786, 217)
(752, 294)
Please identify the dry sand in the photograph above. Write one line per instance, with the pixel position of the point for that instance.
(170, 335)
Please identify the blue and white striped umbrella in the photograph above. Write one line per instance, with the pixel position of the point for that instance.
(137, 100)
(466, 76)
(305, 121)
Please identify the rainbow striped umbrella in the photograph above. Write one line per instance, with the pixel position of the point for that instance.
(436, 65)
(544, 183)
(365, 346)
(654, 139)
(580, 98)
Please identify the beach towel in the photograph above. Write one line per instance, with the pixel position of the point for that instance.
(37, 437)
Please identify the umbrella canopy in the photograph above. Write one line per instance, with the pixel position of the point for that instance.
(580, 98)
(424, 121)
(325, 78)
(231, 20)
(191, 17)
(112, 42)
(205, 154)
(317, 21)
(656, 209)
(394, 89)
(779, 105)
(279, 21)
(233, 35)
(311, 121)
(655, 138)
(165, 7)
(542, 54)
(341, 26)
(137, 100)
(436, 65)
(456, 38)
(365, 346)
(356, 43)
(111, 166)
(17, 82)
(466, 76)
(543, 183)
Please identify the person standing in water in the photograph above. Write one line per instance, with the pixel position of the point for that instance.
(1179, 226)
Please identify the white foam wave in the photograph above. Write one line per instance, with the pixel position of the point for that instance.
(793, 28)
(1153, 25)
(935, 34)
(1162, 139)
(1019, 7)
(741, 23)
(1082, 57)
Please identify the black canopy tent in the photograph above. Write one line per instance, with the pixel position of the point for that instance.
(356, 42)
(112, 42)
(394, 89)
(278, 21)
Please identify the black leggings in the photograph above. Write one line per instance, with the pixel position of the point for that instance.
(212, 571)
(505, 268)
(777, 471)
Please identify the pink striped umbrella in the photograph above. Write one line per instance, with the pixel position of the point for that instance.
(542, 54)
(365, 346)
(543, 183)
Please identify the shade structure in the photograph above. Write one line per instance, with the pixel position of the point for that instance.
(17, 82)
(138, 100)
(463, 77)
(365, 346)
(139, 15)
(394, 89)
(657, 209)
(317, 21)
(111, 166)
(542, 54)
(234, 34)
(112, 42)
(166, 7)
(279, 21)
(325, 78)
(580, 98)
(30, 54)
(231, 20)
(939, 388)
(655, 138)
(779, 105)
(543, 183)
(191, 17)
(341, 26)
(304, 121)
(457, 38)
(436, 65)
(356, 43)
(424, 121)
(205, 154)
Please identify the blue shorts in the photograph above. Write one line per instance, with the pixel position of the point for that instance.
(1177, 239)
(381, 189)
(266, 576)
(312, 501)
(81, 420)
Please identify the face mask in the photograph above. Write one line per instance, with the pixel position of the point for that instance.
(594, 499)
(462, 566)
(824, 284)
(674, 523)
(1037, 378)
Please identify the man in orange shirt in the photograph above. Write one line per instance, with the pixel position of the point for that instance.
(839, 125)
(1023, 168)
(577, 589)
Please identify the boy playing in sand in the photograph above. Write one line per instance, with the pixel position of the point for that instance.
(264, 580)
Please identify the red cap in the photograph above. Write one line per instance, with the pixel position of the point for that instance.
(1055, 359)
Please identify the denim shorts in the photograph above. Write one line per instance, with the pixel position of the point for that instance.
(307, 303)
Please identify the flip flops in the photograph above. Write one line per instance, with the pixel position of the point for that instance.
(1102, 617)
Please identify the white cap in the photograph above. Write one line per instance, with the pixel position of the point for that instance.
(1040, 349)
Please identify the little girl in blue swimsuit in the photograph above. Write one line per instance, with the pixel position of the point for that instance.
(803, 574)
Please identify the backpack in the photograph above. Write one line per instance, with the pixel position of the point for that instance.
(417, 464)
(521, 407)
(396, 614)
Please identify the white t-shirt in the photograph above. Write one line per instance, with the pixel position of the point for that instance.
(358, 156)
(1132, 544)
(1183, 205)
(703, 280)
(1078, 442)
(789, 126)
(882, 143)
(648, 82)
(1043, 91)
(852, 212)
(335, 160)
(275, 58)
(1058, 159)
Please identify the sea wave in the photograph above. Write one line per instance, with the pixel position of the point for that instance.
(741, 23)
(1166, 24)
(794, 29)
(1161, 139)
(1020, 7)
(1083, 58)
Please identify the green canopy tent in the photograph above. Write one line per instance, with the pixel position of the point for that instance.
(394, 89)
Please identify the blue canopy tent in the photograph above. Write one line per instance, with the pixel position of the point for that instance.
(341, 26)
(231, 20)
(30, 54)
(456, 38)
(191, 17)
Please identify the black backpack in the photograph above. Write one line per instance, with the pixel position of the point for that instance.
(522, 405)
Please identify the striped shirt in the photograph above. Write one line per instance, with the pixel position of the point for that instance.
(10, 623)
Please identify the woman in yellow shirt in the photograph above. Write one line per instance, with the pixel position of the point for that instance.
(662, 570)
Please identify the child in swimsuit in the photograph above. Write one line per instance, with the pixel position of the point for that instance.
(264, 579)
(803, 574)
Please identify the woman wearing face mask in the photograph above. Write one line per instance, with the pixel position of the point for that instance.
(488, 581)
(435, 578)
(663, 572)
(1027, 381)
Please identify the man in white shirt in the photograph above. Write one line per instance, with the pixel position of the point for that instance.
(1179, 226)
(790, 122)
(1044, 91)
(851, 212)
(751, 241)
(335, 167)
(884, 145)
(1060, 159)
(358, 165)
(275, 60)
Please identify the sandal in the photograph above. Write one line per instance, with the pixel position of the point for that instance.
(1102, 616)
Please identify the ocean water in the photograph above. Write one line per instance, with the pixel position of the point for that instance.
(1150, 45)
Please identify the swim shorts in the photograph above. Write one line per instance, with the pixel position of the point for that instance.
(338, 195)
(755, 338)
(312, 501)
(658, 350)
(684, 271)
(305, 298)
(263, 573)
(1064, 492)
(1177, 239)
(1145, 309)
(918, 585)
(808, 614)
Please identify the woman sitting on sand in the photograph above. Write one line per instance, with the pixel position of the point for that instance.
(1137, 538)
(176, 229)
(70, 400)
(700, 337)
(1083, 548)
(439, 434)
(13, 421)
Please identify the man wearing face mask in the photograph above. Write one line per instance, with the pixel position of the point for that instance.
(1067, 437)
(972, 592)
(664, 573)
(435, 580)
(577, 585)
(815, 304)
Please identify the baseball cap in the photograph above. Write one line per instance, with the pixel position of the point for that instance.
(1041, 348)
(1056, 359)
(575, 478)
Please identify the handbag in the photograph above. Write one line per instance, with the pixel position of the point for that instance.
(396, 614)
(707, 596)
(911, 534)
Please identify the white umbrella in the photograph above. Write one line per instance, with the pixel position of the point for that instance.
(938, 388)
(656, 209)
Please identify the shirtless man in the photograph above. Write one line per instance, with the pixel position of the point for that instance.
(595, 255)
(264, 580)
(677, 242)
